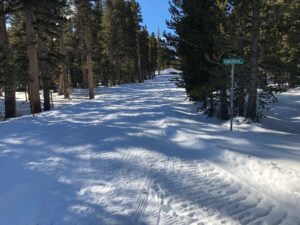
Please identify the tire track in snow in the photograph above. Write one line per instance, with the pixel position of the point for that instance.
(114, 164)
(269, 207)
(207, 194)
(214, 193)
(142, 200)
(148, 201)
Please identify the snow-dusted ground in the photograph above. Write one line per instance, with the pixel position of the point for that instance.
(285, 116)
(140, 154)
(23, 106)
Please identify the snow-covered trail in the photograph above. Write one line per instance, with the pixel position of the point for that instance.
(140, 154)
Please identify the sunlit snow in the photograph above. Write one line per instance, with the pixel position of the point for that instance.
(141, 154)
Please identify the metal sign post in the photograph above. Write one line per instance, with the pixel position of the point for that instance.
(232, 62)
(231, 96)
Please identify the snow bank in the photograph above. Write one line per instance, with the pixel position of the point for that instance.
(170, 71)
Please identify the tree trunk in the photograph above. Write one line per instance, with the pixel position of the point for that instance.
(63, 79)
(84, 69)
(252, 99)
(45, 77)
(90, 75)
(89, 61)
(34, 94)
(140, 76)
(211, 107)
(61, 85)
(9, 81)
(67, 88)
(224, 105)
(118, 67)
(241, 101)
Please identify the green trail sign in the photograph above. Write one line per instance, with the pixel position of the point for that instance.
(233, 61)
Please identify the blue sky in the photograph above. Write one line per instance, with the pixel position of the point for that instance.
(155, 13)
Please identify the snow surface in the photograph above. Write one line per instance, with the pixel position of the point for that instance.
(141, 154)
(23, 106)
(170, 71)
(285, 116)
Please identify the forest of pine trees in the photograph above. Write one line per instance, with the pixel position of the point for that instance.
(61, 44)
(265, 33)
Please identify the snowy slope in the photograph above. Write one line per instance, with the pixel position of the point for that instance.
(140, 154)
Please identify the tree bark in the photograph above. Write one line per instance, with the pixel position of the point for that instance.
(83, 68)
(45, 77)
(89, 59)
(90, 75)
(67, 88)
(62, 68)
(63, 78)
(34, 94)
(9, 81)
(252, 99)
(89, 62)
(140, 76)
(241, 102)
(224, 104)
(61, 81)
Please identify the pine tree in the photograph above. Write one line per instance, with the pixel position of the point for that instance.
(144, 51)
(84, 14)
(31, 41)
(109, 42)
(97, 12)
(194, 24)
(6, 71)
(136, 19)
(48, 19)
(152, 55)
(160, 52)
(18, 49)
(252, 99)
(120, 41)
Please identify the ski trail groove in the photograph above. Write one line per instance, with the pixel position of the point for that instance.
(205, 192)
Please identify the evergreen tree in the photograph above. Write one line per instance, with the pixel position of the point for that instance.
(31, 42)
(194, 26)
(152, 55)
(84, 14)
(97, 12)
(120, 41)
(18, 49)
(135, 19)
(65, 34)
(144, 51)
(6, 68)
(160, 60)
(263, 32)
(252, 99)
(48, 19)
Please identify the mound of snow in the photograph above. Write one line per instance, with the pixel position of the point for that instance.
(170, 71)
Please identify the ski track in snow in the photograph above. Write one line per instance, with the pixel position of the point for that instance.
(137, 154)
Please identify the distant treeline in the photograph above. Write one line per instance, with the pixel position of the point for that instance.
(60, 44)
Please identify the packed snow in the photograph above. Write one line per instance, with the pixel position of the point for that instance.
(142, 154)
(57, 101)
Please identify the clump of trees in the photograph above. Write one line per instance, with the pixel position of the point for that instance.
(264, 33)
(60, 44)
